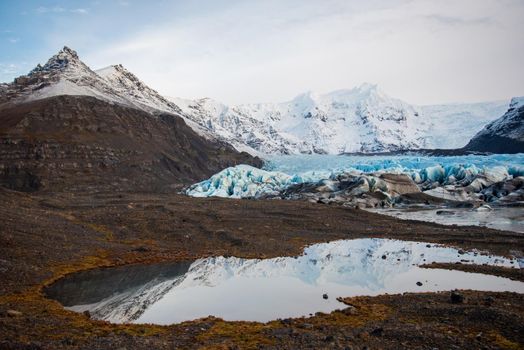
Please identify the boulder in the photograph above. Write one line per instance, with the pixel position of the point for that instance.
(398, 184)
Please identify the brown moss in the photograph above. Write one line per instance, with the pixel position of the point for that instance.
(246, 335)
(502, 342)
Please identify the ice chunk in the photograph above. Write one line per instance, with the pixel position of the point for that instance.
(243, 181)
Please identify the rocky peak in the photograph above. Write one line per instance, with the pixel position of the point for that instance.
(516, 102)
(59, 62)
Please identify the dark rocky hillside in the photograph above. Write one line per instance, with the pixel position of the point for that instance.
(79, 143)
(504, 135)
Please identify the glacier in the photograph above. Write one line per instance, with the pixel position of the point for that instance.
(280, 172)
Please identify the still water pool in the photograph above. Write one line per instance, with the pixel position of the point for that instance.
(263, 290)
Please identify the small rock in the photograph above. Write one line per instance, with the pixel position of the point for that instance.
(325, 296)
(489, 301)
(350, 311)
(377, 331)
(484, 207)
(456, 298)
(461, 252)
(383, 257)
(141, 249)
(87, 314)
(419, 283)
(329, 338)
(286, 321)
(13, 313)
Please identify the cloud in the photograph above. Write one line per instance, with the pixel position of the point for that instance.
(13, 40)
(423, 51)
(8, 68)
(59, 9)
(451, 20)
(80, 11)
(56, 9)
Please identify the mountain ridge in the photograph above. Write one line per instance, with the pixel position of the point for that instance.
(505, 134)
(361, 119)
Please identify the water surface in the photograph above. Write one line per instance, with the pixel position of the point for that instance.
(508, 219)
(263, 290)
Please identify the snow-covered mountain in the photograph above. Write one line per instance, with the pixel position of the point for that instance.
(66, 74)
(504, 135)
(362, 119)
(63, 74)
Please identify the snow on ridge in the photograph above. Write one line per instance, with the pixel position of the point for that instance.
(129, 85)
(517, 102)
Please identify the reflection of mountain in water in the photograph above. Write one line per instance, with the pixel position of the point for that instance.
(118, 294)
(368, 266)
(367, 263)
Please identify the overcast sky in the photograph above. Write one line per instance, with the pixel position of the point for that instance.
(422, 51)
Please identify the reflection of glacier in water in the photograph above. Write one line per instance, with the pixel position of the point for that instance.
(262, 290)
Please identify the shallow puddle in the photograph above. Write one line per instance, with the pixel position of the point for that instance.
(508, 219)
(263, 290)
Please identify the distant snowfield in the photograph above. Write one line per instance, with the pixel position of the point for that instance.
(362, 119)
(282, 171)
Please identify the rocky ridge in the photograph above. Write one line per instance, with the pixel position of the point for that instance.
(504, 135)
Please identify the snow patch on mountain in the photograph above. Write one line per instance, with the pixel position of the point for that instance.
(128, 85)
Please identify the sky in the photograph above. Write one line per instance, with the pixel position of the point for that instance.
(242, 51)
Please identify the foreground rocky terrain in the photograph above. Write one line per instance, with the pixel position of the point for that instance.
(44, 236)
